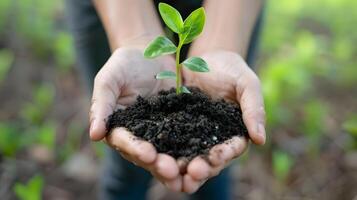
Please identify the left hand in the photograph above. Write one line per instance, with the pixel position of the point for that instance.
(229, 78)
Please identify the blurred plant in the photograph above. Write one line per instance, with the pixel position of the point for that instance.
(35, 21)
(277, 84)
(4, 13)
(99, 149)
(10, 140)
(314, 113)
(64, 52)
(6, 60)
(72, 141)
(46, 135)
(282, 163)
(350, 126)
(32, 190)
(304, 46)
(301, 45)
(35, 111)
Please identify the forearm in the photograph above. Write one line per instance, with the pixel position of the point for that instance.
(229, 24)
(127, 21)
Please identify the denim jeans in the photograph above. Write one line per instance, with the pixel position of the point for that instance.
(121, 179)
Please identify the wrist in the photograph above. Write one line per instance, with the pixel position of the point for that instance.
(139, 41)
(208, 53)
(203, 46)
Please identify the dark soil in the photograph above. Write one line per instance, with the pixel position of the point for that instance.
(184, 125)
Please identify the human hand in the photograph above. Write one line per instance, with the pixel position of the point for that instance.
(229, 78)
(126, 75)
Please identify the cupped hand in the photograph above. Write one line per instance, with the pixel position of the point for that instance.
(126, 75)
(229, 78)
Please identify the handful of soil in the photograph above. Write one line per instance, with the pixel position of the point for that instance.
(184, 125)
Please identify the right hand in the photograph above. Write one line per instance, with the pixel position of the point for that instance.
(126, 75)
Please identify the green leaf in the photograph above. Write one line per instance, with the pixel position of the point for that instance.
(196, 64)
(171, 17)
(193, 25)
(185, 90)
(159, 46)
(166, 75)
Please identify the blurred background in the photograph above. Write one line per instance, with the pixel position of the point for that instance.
(308, 68)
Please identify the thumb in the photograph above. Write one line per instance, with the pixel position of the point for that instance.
(252, 105)
(103, 104)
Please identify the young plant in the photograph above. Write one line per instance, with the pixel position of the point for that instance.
(187, 31)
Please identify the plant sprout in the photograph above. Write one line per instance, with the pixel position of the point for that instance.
(187, 31)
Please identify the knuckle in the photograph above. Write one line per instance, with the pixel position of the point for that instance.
(214, 173)
(262, 112)
(250, 113)
(254, 80)
(100, 80)
(142, 148)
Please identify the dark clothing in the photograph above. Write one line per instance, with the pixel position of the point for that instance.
(121, 179)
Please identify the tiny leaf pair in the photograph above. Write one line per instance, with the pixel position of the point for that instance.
(187, 31)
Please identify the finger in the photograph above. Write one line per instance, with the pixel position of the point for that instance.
(127, 157)
(175, 184)
(199, 169)
(124, 101)
(237, 146)
(220, 154)
(126, 142)
(190, 185)
(252, 105)
(166, 167)
(103, 104)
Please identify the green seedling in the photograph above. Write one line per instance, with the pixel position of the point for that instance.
(187, 31)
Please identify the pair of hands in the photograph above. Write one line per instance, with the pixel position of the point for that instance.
(128, 74)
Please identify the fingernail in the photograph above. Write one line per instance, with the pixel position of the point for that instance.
(261, 131)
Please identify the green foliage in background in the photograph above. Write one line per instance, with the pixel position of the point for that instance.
(72, 143)
(35, 21)
(46, 135)
(6, 60)
(32, 190)
(4, 13)
(37, 25)
(35, 111)
(282, 163)
(64, 52)
(305, 44)
(302, 44)
(350, 126)
(10, 139)
(314, 118)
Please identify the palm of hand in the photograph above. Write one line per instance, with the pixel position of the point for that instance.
(229, 78)
(126, 75)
